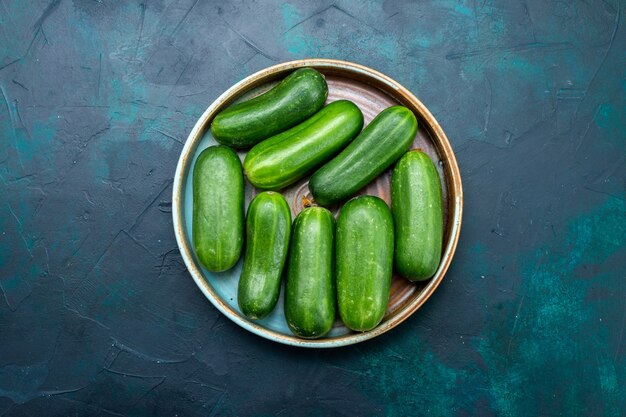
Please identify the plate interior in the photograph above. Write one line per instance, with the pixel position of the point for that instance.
(371, 101)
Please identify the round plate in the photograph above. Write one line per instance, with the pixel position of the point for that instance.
(372, 92)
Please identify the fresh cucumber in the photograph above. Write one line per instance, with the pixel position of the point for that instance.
(285, 158)
(310, 284)
(218, 209)
(364, 260)
(416, 204)
(378, 146)
(298, 96)
(268, 229)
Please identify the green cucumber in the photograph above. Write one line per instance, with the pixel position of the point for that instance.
(218, 210)
(378, 146)
(285, 158)
(310, 284)
(298, 96)
(416, 204)
(364, 260)
(268, 229)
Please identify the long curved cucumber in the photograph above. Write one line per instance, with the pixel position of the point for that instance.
(285, 158)
(268, 229)
(218, 209)
(310, 285)
(416, 204)
(364, 261)
(378, 146)
(295, 98)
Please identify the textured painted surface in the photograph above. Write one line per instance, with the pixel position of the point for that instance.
(98, 315)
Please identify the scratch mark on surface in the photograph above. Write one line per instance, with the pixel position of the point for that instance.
(67, 261)
(184, 18)
(489, 105)
(143, 16)
(30, 45)
(517, 313)
(63, 391)
(611, 170)
(88, 197)
(99, 76)
(141, 245)
(167, 184)
(180, 75)
(498, 213)
(149, 391)
(131, 375)
(6, 102)
(46, 13)
(584, 134)
(108, 361)
(19, 118)
(250, 59)
(249, 42)
(554, 46)
(91, 406)
(164, 257)
(351, 371)
(20, 84)
(82, 316)
(197, 93)
(20, 229)
(340, 10)
(220, 401)
(47, 260)
(175, 139)
(95, 265)
(476, 23)
(586, 187)
(205, 385)
(344, 11)
(610, 45)
(4, 295)
(145, 356)
(530, 20)
(11, 63)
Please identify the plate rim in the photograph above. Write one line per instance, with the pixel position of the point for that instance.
(440, 140)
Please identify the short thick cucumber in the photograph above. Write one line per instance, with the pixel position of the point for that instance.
(294, 99)
(418, 216)
(364, 261)
(268, 229)
(218, 210)
(289, 156)
(378, 146)
(310, 285)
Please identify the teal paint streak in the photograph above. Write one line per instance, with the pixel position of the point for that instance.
(539, 344)
(295, 40)
(463, 10)
(408, 378)
(357, 39)
(611, 120)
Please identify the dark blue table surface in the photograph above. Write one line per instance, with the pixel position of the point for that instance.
(98, 315)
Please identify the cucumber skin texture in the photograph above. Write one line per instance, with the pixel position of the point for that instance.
(218, 208)
(285, 158)
(416, 204)
(268, 229)
(378, 146)
(295, 98)
(310, 285)
(364, 258)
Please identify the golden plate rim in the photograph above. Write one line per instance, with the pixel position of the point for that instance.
(363, 74)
